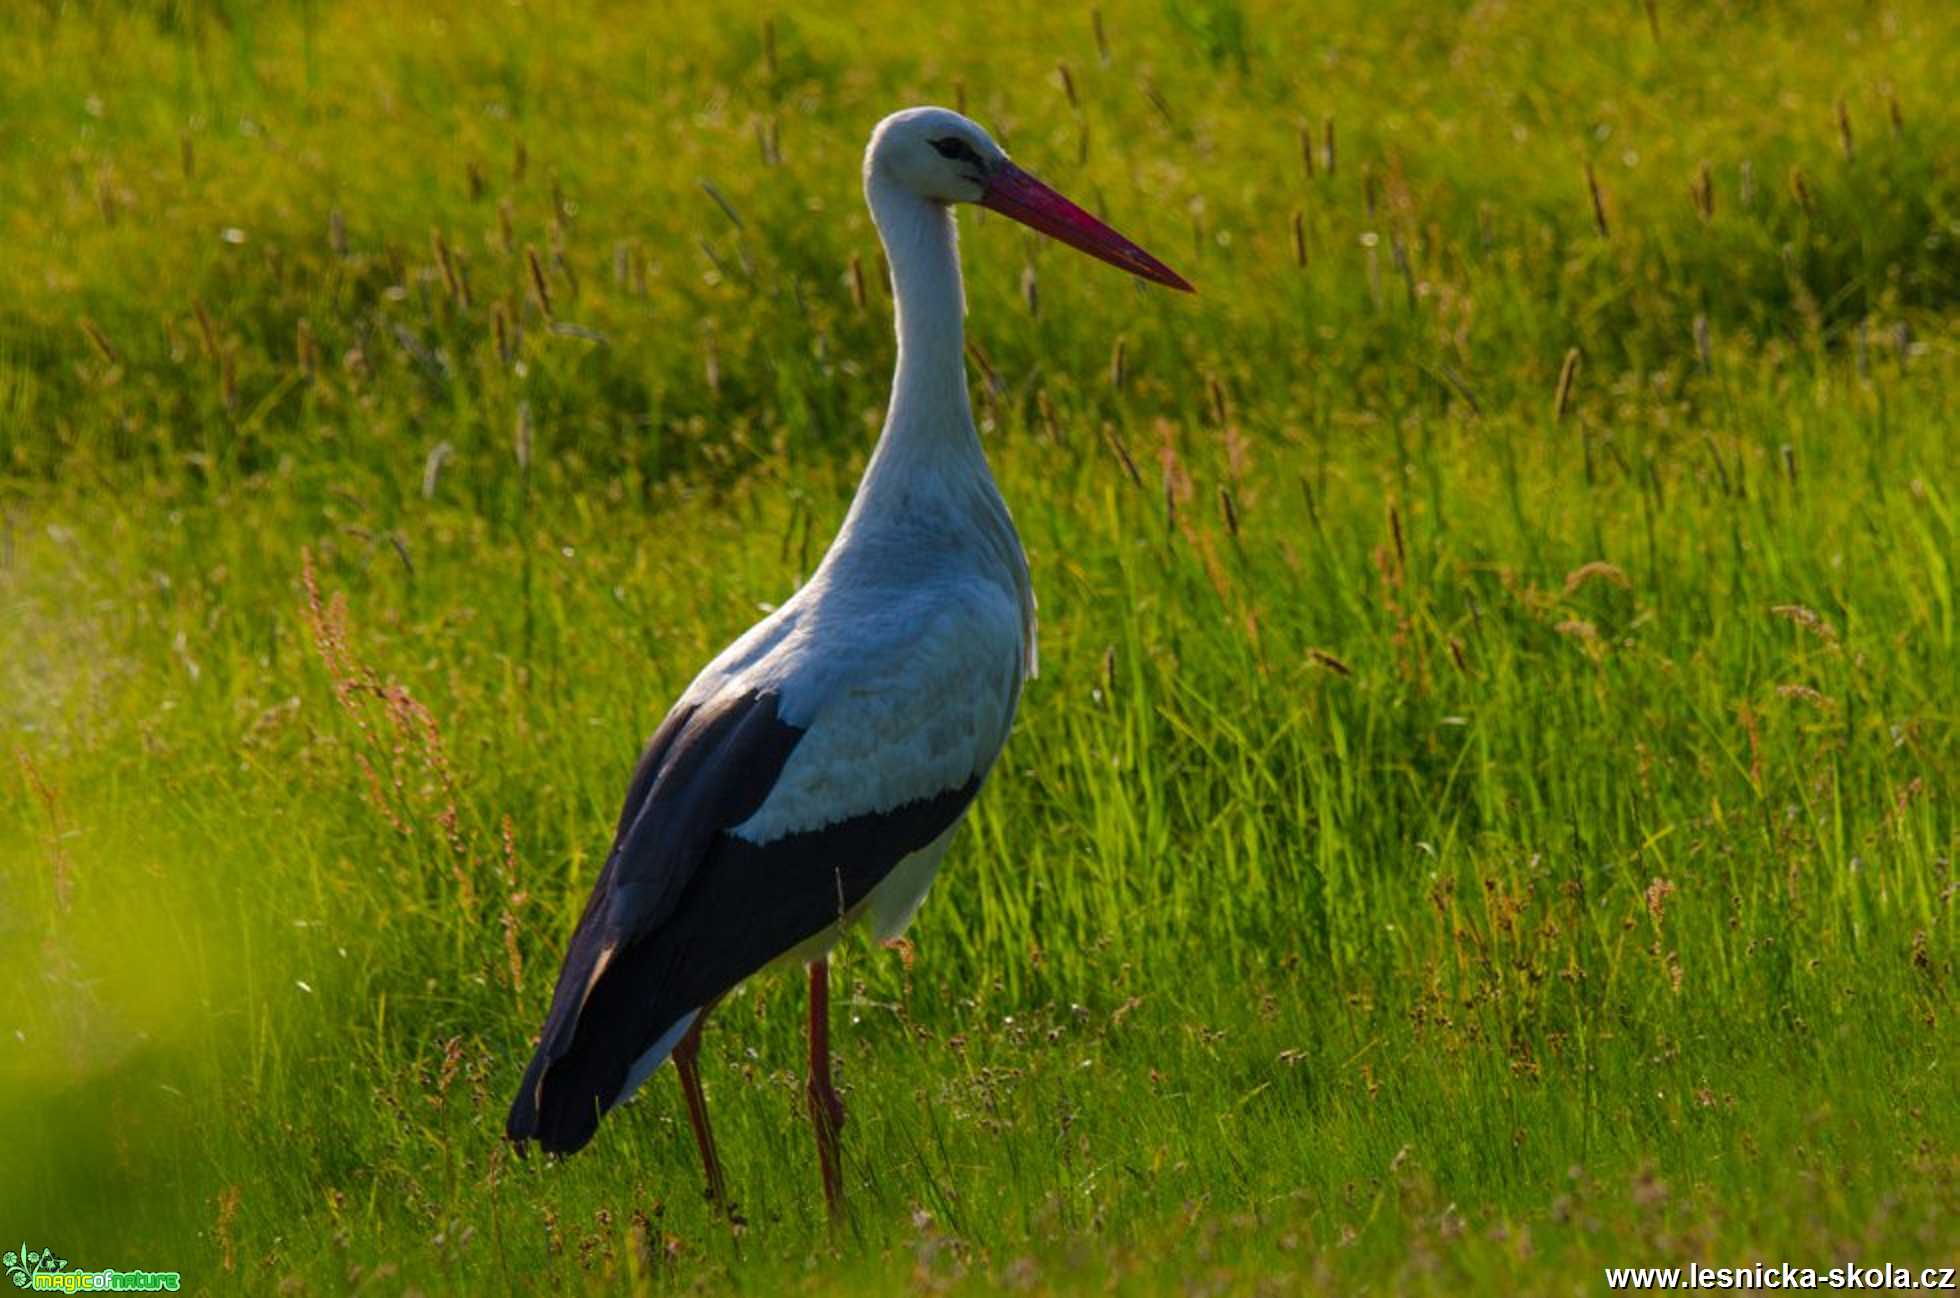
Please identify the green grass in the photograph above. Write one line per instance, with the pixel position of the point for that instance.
(1517, 839)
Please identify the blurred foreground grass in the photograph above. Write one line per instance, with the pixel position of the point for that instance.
(1486, 813)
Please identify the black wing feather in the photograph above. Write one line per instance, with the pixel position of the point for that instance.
(684, 910)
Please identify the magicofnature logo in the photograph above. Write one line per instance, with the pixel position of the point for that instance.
(41, 1270)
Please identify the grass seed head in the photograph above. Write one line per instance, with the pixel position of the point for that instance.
(506, 232)
(513, 955)
(1229, 510)
(221, 1230)
(1114, 440)
(1806, 694)
(61, 869)
(1597, 570)
(1702, 191)
(1322, 658)
(100, 341)
(1598, 203)
(452, 280)
(1809, 619)
(1567, 374)
(540, 288)
(207, 331)
(501, 333)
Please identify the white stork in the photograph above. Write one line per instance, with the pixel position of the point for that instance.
(814, 772)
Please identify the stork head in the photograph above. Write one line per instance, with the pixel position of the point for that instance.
(944, 157)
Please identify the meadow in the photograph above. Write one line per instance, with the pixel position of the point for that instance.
(1486, 811)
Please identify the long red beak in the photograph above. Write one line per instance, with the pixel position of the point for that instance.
(1013, 192)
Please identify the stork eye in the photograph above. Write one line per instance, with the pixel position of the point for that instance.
(955, 148)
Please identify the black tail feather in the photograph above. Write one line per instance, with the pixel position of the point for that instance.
(571, 1083)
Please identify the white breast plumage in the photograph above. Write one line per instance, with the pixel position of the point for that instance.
(919, 705)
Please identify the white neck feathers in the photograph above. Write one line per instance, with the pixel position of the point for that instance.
(929, 397)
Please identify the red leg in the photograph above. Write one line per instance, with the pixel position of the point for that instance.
(826, 1110)
(686, 1063)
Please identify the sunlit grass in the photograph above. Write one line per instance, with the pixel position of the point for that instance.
(1472, 826)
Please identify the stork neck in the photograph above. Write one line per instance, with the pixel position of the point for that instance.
(927, 486)
(929, 397)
